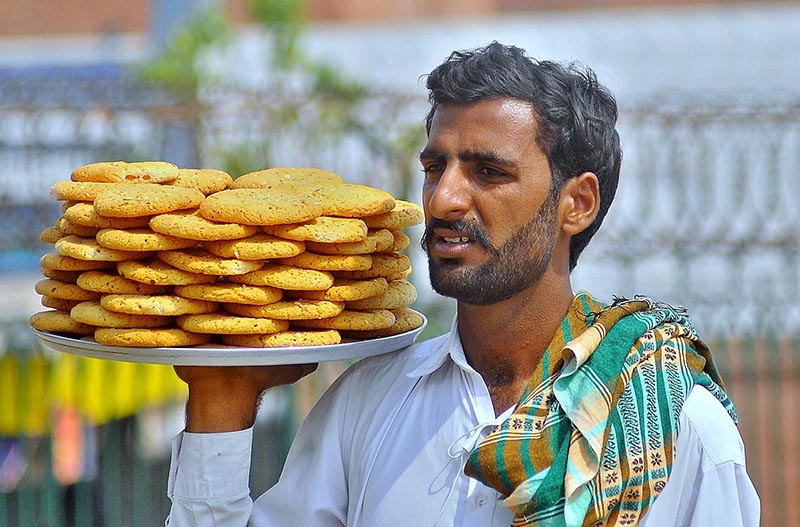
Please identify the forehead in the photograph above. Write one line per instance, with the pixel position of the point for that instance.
(491, 123)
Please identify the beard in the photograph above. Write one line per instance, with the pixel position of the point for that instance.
(511, 268)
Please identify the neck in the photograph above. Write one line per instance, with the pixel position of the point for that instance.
(505, 342)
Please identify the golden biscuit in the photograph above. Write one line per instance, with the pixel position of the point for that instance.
(261, 206)
(62, 276)
(63, 290)
(323, 229)
(289, 309)
(199, 261)
(157, 272)
(231, 293)
(404, 214)
(121, 171)
(284, 339)
(127, 201)
(376, 241)
(349, 200)
(189, 224)
(156, 304)
(69, 228)
(79, 191)
(286, 277)
(52, 321)
(108, 283)
(88, 249)
(401, 241)
(83, 213)
(149, 337)
(59, 304)
(141, 240)
(344, 290)
(206, 180)
(59, 262)
(352, 320)
(330, 262)
(94, 314)
(285, 176)
(255, 247)
(51, 235)
(222, 324)
(399, 293)
(406, 320)
(388, 265)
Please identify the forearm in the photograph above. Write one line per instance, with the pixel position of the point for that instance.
(220, 406)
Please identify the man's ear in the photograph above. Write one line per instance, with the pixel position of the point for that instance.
(579, 203)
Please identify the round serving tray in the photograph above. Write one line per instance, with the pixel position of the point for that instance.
(207, 355)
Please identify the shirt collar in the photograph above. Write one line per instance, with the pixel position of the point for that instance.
(431, 359)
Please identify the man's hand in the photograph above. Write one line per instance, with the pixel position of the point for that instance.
(225, 398)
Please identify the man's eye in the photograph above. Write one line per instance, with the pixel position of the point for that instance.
(432, 170)
(491, 173)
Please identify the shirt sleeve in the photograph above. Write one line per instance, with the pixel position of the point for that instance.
(708, 485)
(209, 479)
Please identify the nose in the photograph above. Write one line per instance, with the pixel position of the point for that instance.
(448, 197)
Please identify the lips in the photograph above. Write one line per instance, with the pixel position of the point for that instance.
(450, 244)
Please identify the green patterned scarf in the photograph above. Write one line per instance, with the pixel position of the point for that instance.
(592, 439)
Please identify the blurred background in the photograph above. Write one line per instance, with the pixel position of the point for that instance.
(706, 214)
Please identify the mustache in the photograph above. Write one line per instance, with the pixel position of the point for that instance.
(472, 229)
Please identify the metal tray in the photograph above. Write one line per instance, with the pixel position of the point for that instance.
(207, 355)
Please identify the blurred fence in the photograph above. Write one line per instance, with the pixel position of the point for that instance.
(705, 217)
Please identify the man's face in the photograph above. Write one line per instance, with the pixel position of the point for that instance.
(490, 215)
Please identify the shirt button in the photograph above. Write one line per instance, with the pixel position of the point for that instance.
(481, 500)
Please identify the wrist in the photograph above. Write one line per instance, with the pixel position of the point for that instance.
(221, 407)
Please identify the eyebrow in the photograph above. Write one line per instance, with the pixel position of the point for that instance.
(469, 155)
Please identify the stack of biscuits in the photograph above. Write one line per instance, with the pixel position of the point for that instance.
(151, 255)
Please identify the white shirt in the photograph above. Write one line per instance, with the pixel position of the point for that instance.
(386, 445)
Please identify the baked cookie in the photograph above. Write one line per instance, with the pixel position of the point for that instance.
(289, 309)
(141, 240)
(206, 180)
(83, 213)
(59, 304)
(156, 304)
(286, 277)
(401, 242)
(406, 319)
(404, 214)
(88, 249)
(325, 229)
(68, 228)
(344, 290)
(352, 320)
(59, 262)
(399, 293)
(63, 290)
(110, 283)
(94, 314)
(121, 171)
(231, 293)
(157, 272)
(127, 201)
(256, 247)
(62, 276)
(199, 261)
(261, 206)
(190, 225)
(79, 191)
(379, 240)
(388, 265)
(222, 324)
(278, 177)
(149, 337)
(51, 235)
(284, 339)
(330, 262)
(349, 200)
(52, 321)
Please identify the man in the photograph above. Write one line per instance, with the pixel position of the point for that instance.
(540, 406)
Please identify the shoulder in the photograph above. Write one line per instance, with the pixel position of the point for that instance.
(707, 426)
